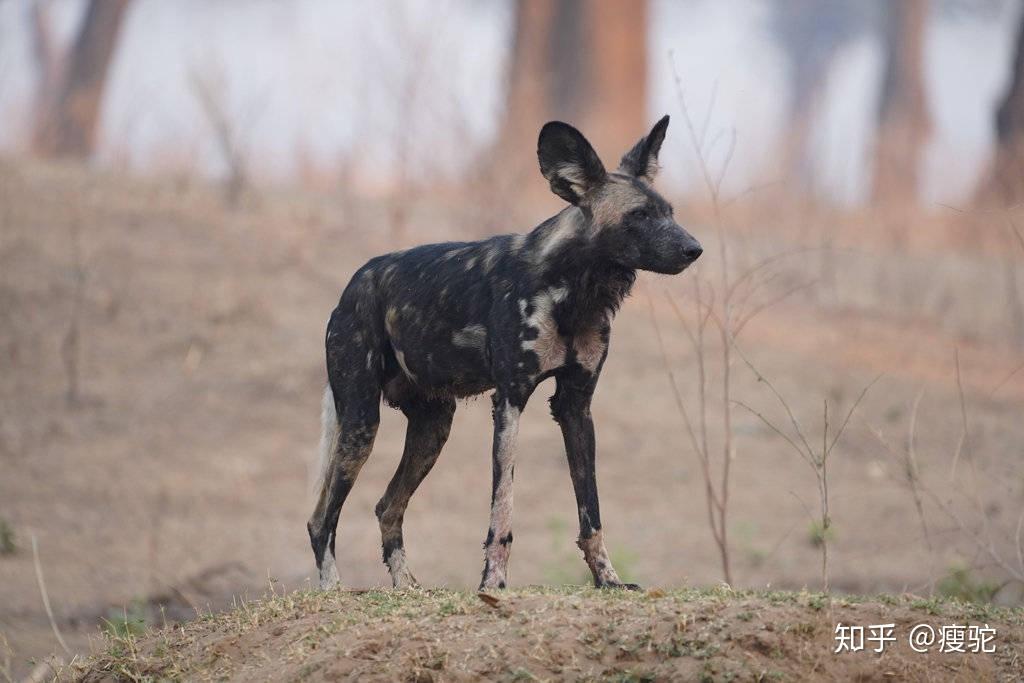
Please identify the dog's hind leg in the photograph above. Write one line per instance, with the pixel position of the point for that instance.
(507, 408)
(429, 425)
(355, 392)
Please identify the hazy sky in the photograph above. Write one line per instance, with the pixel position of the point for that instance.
(344, 79)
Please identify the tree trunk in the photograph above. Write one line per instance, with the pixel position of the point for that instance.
(808, 34)
(614, 102)
(903, 122)
(797, 165)
(582, 61)
(1003, 185)
(47, 60)
(68, 128)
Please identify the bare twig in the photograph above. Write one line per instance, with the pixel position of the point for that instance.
(700, 449)
(70, 347)
(730, 314)
(1006, 379)
(778, 396)
(912, 476)
(846, 420)
(984, 540)
(1017, 540)
(209, 89)
(5, 665)
(742, 320)
(961, 442)
(912, 469)
(46, 670)
(718, 496)
(771, 425)
(1015, 230)
(818, 460)
(46, 597)
(755, 269)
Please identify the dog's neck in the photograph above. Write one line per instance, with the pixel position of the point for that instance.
(563, 253)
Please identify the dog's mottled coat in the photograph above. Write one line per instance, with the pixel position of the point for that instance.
(423, 327)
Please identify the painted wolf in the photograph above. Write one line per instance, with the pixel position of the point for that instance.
(428, 325)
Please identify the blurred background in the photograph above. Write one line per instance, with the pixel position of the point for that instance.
(186, 187)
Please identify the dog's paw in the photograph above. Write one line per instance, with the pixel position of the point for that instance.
(329, 578)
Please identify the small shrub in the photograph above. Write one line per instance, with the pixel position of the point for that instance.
(817, 601)
(960, 584)
(128, 621)
(450, 607)
(817, 534)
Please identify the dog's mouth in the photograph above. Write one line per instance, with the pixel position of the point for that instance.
(677, 268)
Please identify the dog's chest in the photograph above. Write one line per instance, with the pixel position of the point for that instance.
(554, 337)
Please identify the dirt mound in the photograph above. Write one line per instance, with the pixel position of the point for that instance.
(577, 634)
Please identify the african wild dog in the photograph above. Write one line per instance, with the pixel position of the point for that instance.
(428, 325)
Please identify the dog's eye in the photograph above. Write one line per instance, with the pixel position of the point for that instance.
(640, 214)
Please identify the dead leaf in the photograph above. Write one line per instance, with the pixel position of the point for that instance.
(489, 600)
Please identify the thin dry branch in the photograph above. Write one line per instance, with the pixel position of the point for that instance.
(984, 539)
(672, 377)
(999, 385)
(914, 473)
(718, 494)
(1017, 540)
(961, 442)
(71, 344)
(695, 141)
(209, 92)
(768, 423)
(711, 498)
(46, 596)
(846, 420)
(742, 320)
(818, 461)
(912, 476)
(807, 450)
(5, 665)
(983, 542)
(1015, 231)
(753, 270)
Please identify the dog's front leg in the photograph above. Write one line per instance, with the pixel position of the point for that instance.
(570, 407)
(499, 534)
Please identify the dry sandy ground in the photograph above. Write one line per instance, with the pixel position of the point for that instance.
(579, 635)
(181, 472)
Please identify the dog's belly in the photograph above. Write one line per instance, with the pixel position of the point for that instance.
(444, 359)
(459, 372)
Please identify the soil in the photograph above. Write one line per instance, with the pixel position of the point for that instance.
(569, 634)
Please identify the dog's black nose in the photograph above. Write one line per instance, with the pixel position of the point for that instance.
(693, 251)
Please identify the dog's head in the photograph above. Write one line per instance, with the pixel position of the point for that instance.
(633, 225)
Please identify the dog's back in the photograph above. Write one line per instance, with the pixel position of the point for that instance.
(425, 313)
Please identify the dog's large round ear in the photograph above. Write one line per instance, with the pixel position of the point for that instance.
(642, 160)
(568, 161)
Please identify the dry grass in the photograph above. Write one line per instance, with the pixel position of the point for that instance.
(545, 634)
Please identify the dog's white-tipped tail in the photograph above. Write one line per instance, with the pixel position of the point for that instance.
(328, 438)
